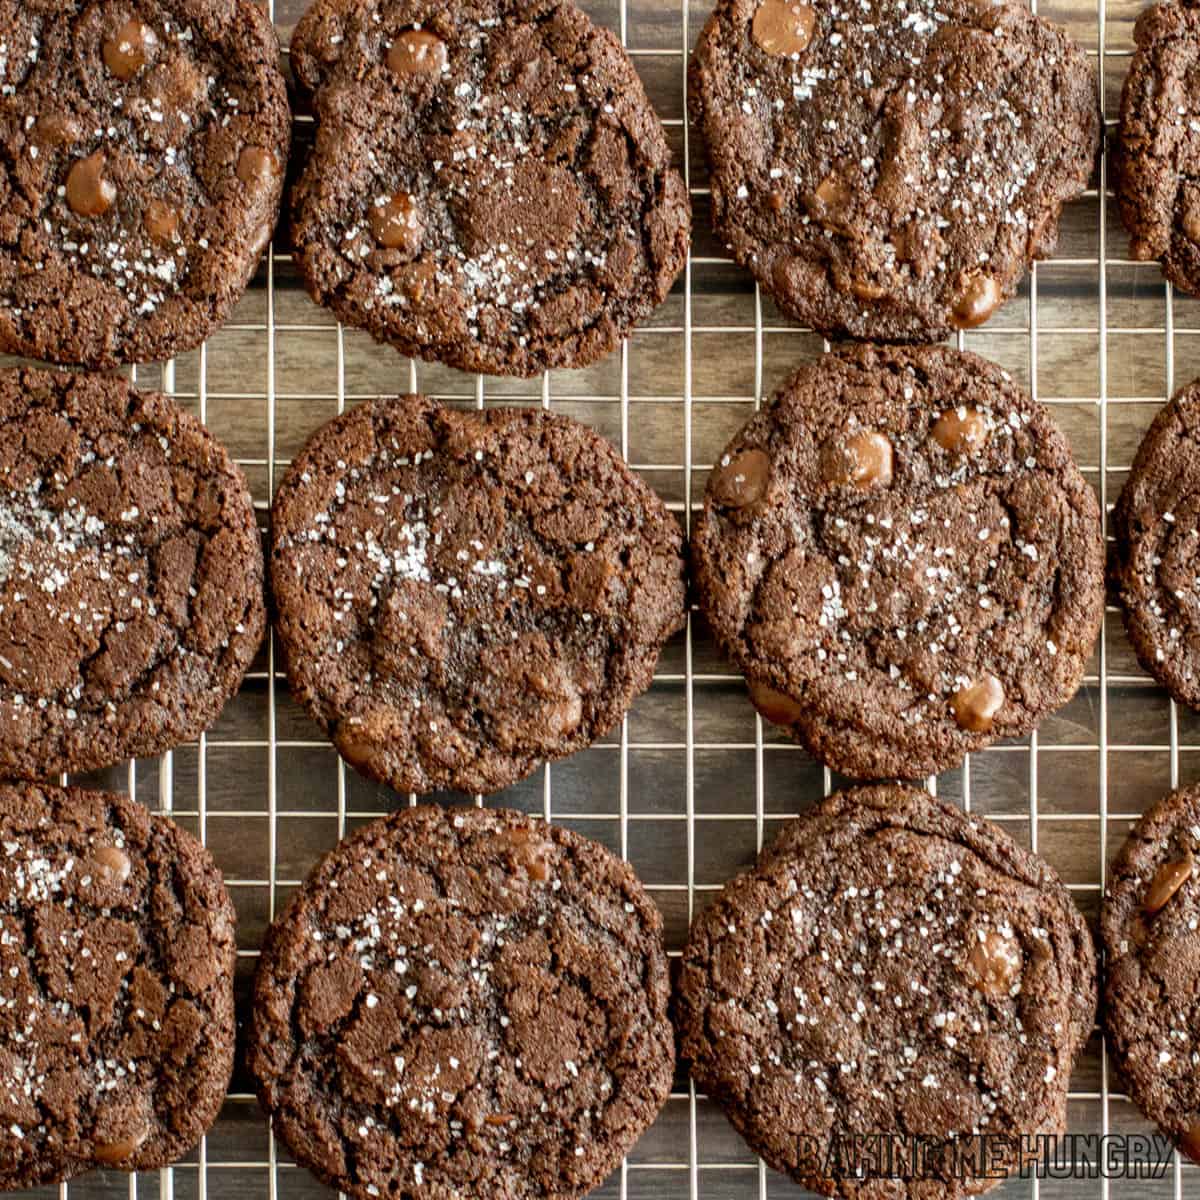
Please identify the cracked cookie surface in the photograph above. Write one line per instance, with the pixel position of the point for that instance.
(117, 953)
(490, 187)
(464, 594)
(131, 574)
(1155, 565)
(903, 559)
(463, 1002)
(889, 170)
(1156, 158)
(1148, 923)
(891, 965)
(142, 153)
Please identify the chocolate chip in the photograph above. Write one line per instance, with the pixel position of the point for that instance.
(960, 430)
(161, 221)
(1190, 1142)
(123, 1149)
(57, 129)
(976, 705)
(1169, 879)
(112, 864)
(396, 223)
(531, 853)
(742, 480)
(257, 168)
(994, 963)
(1191, 219)
(563, 714)
(130, 49)
(418, 52)
(89, 193)
(863, 460)
(783, 27)
(979, 298)
(864, 289)
(775, 706)
(832, 193)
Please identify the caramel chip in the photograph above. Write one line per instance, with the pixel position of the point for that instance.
(121, 1150)
(960, 430)
(783, 27)
(979, 298)
(1191, 220)
(976, 705)
(418, 52)
(57, 129)
(130, 49)
(1166, 882)
(775, 706)
(112, 864)
(994, 963)
(1190, 1142)
(161, 221)
(531, 853)
(396, 223)
(832, 192)
(865, 461)
(89, 192)
(742, 480)
(257, 168)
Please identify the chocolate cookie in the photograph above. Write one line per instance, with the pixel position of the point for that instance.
(1157, 153)
(892, 966)
(464, 594)
(463, 1003)
(142, 154)
(131, 589)
(116, 986)
(490, 187)
(1156, 556)
(902, 557)
(1151, 1008)
(889, 171)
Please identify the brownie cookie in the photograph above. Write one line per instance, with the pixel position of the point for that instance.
(1148, 922)
(903, 559)
(463, 1002)
(143, 146)
(131, 574)
(886, 170)
(117, 953)
(464, 594)
(1156, 163)
(892, 965)
(1155, 561)
(490, 187)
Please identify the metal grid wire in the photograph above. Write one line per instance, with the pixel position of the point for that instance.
(691, 785)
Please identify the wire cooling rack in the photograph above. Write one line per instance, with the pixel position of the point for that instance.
(692, 783)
